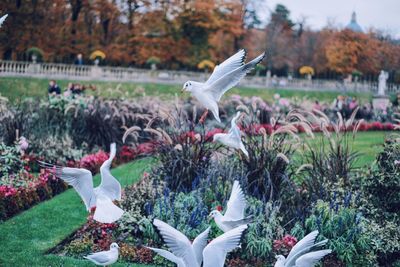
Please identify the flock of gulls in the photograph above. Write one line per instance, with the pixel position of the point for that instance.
(183, 252)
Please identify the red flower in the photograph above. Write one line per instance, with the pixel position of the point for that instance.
(219, 208)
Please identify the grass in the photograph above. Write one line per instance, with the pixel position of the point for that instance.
(24, 239)
(20, 88)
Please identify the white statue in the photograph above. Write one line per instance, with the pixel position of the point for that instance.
(382, 82)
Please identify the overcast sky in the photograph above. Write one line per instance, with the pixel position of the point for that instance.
(381, 14)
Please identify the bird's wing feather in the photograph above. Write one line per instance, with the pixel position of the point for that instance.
(234, 131)
(100, 257)
(177, 242)
(234, 224)
(218, 87)
(227, 66)
(236, 204)
(312, 258)
(109, 185)
(306, 242)
(292, 260)
(80, 179)
(215, 252)
(169, 256)
(199, 243)
(2, 19)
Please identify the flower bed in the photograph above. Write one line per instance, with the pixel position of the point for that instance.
(292, 197)
(21, 190)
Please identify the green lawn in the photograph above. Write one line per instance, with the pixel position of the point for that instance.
(24, 239)
(19, 88)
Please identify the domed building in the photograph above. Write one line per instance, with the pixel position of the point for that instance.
(353, 25)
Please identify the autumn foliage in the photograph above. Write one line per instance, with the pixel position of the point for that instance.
(181, 34)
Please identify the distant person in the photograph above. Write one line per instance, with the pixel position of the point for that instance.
(353, 104)
(79, 59)
(53, 88)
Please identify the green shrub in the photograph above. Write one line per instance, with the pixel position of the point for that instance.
(382, 185)
(345, 228)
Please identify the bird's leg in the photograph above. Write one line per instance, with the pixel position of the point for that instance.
(203, 117)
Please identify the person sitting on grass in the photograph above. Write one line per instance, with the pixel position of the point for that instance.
(53, 88)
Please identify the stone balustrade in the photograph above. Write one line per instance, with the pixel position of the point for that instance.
(122, 74)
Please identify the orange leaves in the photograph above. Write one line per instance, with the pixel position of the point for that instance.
(349, 51)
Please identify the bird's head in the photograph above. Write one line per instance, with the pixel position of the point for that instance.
(217, 137)
(187, 87)
(114, 245)
(280, 258)
(215, 213)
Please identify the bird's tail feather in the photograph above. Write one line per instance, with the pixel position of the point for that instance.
(107, 211)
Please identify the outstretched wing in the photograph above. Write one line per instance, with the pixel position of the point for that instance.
(232, 63)
(307, 242)
(234, 131)
(169, 256)
(177, 242)
(215, 253)
(199, 243)
(236, 204)
(109, 185)
(312, 258)
(231, 79)
(2, 19)
(80, 179)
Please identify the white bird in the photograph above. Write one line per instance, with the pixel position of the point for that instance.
(234, 215)
(185, 254)
(179, 244)
(233, 138)
(100, 197)
(225, 76)
(300, 255)
(2, 19)
(183, 251)
(105, 258)
(214, 254)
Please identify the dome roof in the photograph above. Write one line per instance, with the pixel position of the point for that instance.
(353, 25)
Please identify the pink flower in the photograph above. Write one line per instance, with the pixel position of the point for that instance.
(284, 102)
(23, 143)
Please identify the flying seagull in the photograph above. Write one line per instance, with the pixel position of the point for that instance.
(186, 254)
(183, 251)
(214, 254)
(233, 138)
(100, 197)
(2, 19)
(234, 215)
(105, 258)
(225, 76)
(300, 255)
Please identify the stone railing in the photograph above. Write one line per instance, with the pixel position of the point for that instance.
(121, 74)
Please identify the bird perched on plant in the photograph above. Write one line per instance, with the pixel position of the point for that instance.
(300, 255)
(2, 19)
(101, 198)
(234, 215)
(105, 258)
(187, 254)
(184, 253)
(225, 76)
(233, 138)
